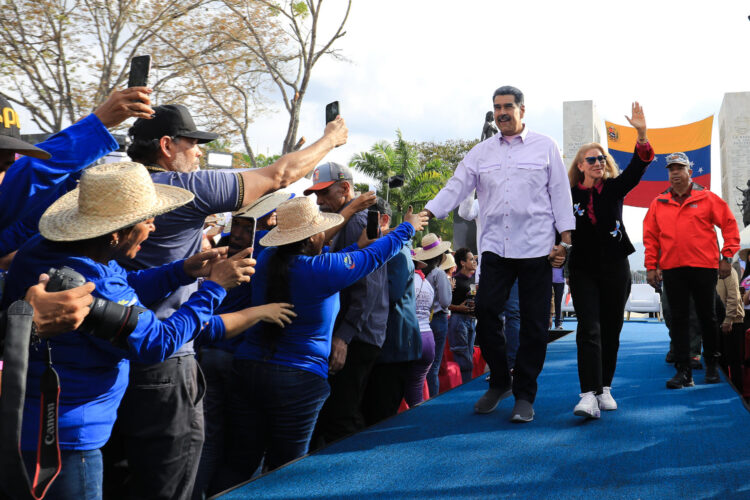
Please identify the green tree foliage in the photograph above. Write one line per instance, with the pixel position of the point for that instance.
(422, 178)
(451, 152)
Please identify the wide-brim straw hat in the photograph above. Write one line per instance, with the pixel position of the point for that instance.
(297, 219)
(413, 256)
(432, 246)
(448, 262)
(108, 198)
(264, 205)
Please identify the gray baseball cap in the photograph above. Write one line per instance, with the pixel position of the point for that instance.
(328, 173)
(678, 159)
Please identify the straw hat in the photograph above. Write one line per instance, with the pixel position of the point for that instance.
(743, 254)
(297, 219)
(264, 205)
(109, 197)
(413, 256)
(448, 262)
(432, 246)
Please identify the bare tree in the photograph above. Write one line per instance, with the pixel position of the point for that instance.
(290, 67)
(222, 81)
(61, 58)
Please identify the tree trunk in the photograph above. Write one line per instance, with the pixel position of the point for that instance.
(291, 135)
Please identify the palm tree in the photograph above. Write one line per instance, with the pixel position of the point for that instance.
(421, 181)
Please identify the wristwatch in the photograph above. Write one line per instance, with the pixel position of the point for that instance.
(728, 260)
(566, 246)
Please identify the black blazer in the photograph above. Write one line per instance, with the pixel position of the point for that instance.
(607, 240)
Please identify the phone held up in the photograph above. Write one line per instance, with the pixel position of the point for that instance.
(332, 111)
(373, 224)
(140, 66)
(250, 226)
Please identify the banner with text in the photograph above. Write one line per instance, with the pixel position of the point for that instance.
(693, 139)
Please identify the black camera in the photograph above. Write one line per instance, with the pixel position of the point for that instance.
(107, 320)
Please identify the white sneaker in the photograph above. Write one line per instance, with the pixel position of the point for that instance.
(606, 401)
(588, 406)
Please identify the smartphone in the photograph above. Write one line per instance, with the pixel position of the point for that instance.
(139, 69)
(332, 111)
(373, 224)
(252, 223)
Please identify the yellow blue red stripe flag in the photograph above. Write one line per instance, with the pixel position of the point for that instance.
(693, 139)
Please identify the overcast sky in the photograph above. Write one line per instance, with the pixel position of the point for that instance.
(430, 67)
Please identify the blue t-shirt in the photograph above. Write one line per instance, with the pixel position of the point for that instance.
(179, 232)
(315, 283)
(94, 372)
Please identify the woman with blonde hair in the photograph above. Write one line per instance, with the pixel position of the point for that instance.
(599, 270)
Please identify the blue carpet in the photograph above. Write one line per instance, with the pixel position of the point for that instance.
(691, 443)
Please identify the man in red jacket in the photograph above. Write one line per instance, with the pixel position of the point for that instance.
(682, 249)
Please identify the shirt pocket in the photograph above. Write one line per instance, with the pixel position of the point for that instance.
(491, 176)
(531, 177)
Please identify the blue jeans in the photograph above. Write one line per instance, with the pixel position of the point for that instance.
(80, 475)
(461, 335)
(217, 369)
(512, 327)
(272, 413)
(439, 325)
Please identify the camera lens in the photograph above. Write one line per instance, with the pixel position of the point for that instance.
(105, 316)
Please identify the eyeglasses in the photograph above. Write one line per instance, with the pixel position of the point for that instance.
(591, 160)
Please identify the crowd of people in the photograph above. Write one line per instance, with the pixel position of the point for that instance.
(296, 329)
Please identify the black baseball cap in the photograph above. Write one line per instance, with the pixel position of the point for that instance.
(173, 120)
(10, 133)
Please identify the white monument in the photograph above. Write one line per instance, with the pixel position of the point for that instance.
(581, 125)
(734, 141)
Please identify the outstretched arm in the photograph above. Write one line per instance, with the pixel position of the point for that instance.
(292, 166)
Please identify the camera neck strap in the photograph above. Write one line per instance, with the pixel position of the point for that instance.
(16, 360)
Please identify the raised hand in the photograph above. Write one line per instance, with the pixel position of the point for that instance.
(419, 221)
(337, 131)
(365, 200)
(638, 120)
(133, 102)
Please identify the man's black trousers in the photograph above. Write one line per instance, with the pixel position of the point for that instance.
(680, 284)
(534, 294)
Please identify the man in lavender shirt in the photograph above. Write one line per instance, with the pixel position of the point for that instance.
(524, 199)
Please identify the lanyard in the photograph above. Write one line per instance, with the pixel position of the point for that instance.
(16, 361)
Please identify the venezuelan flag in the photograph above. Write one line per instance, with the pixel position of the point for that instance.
(693, 139)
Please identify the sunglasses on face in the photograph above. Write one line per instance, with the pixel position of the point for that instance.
(591, 160)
